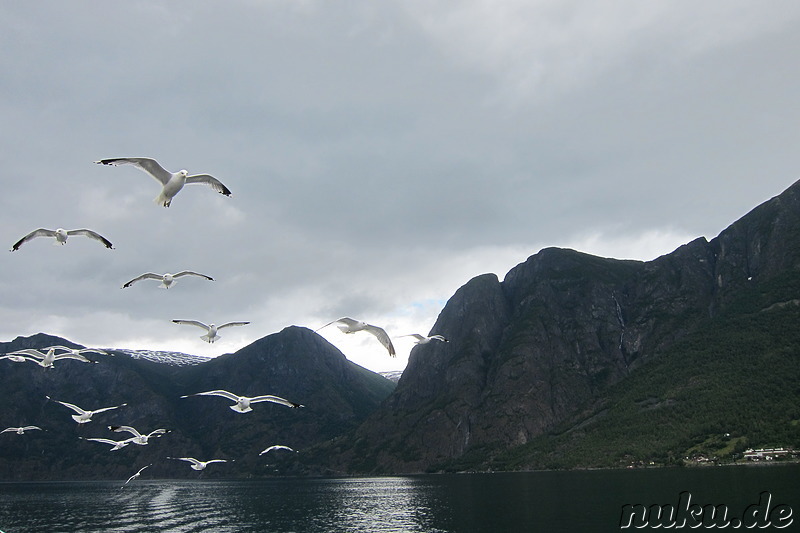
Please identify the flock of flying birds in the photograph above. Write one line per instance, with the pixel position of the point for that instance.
(171, 184)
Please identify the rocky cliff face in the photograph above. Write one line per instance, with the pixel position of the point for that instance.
(557, 332)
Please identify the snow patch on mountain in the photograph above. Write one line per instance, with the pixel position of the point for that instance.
(165, 357)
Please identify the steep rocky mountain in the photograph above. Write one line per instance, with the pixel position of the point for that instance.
(550, 342)
(295, 364)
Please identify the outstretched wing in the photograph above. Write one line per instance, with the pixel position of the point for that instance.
(78, 350)
(41, 232)
(193, 323)
(223, 393)
(187, 459)
(20, 358)
(104, 441)
(70, 405)
(144, 164)
(129, 429)
(104, 409)
(349, 322)
(209, 180)
(70, 355)
(383, 337)
(229, 324)
(192, 273)
(275, 399)
(91, 234)
(31, 352)
(146, 275)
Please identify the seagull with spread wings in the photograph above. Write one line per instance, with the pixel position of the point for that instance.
(242, 403)
(83, 416)
(211, 329)
(350, 325)
(198, 465)
(422, 339)
(61, 236)
(20, 430)
(167, 279)
(45, 359)
(137, 474)
(171, 182)
(277, 447)
(139, 438)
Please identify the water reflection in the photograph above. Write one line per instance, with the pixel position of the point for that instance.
(539, 501)
(384, 504)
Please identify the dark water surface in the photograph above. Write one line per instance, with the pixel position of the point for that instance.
(585, 501)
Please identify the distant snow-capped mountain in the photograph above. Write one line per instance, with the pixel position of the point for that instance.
(169, 358)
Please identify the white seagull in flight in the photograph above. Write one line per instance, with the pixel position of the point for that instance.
(166, 279)
(350, 325)
(45, 359)
(60, 235)
(277, 447)
(20, 430)
(242, 404)
(137, 474)
(422, 339)
(83, 415)
(211, 329)
(138, 438)
(198, 465)
(171, 182)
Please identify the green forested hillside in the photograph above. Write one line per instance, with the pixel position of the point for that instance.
(732, 384)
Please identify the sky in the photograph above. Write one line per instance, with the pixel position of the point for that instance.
(379, 154)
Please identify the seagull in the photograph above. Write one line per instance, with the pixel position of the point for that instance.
(83, 415)
(277, 447)
(137, 474)
(138, 438)
(422, 339)
(349, 325)
(243, 402)
(211, 329)
(20, 430)
(115, 444)
(172, 182)
(198, 465)
(46, 359)
(166, 279)
(61, 235)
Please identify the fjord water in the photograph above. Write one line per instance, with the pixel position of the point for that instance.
(581, 501)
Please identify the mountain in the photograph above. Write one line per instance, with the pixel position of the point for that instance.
(569, 349)
(570, 361)
(295, 363)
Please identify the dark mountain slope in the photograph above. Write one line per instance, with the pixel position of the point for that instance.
(294, 363)
(559, 333)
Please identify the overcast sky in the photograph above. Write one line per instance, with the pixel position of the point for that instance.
(380, 153)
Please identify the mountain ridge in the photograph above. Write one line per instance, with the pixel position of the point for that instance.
(550, 367)
(557, 334)
(294, 363)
